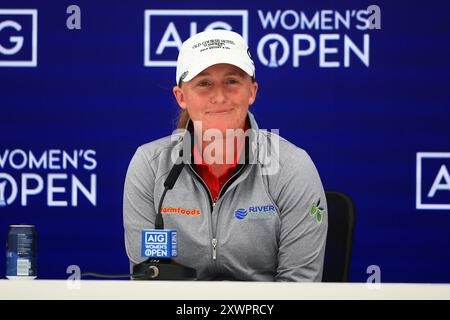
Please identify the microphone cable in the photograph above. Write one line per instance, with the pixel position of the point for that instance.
(147, 273)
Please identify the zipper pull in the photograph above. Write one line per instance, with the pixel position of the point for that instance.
(214, 243)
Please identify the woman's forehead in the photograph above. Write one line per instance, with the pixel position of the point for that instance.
(222, 69)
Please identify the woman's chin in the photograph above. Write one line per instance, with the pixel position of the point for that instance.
(220, 126)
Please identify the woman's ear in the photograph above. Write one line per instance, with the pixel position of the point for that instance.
(179, 96)
(253, 92)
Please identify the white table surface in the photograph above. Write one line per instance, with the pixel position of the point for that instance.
(224, 290)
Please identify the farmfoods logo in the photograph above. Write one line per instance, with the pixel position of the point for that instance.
(55, 177)
(181, 211)
(256, 212)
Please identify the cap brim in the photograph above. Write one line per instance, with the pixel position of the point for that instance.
(199, 66)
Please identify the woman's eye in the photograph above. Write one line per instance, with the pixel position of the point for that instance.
(232, 81)
(203, 84)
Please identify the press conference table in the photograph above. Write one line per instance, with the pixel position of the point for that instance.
(225, 290)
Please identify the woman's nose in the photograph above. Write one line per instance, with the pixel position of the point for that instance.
(218, 95)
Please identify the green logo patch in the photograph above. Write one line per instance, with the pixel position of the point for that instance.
(317, 211)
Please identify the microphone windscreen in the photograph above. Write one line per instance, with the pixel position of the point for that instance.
(157, 243)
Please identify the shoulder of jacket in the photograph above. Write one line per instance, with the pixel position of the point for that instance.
(153, 149)
(285, 150)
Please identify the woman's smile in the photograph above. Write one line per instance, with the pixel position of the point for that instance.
(220, 112)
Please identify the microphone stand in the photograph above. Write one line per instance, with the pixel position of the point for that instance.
(164, 268)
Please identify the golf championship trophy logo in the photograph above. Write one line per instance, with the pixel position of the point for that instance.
(2, 194)
(273, 55)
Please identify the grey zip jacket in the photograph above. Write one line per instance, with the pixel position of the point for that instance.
(269, 222)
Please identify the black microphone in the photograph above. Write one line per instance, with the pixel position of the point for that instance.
(168, 185)
(173, 175)
(157, 268)
(164, 268)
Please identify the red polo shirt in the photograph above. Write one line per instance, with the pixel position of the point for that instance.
(214, 182)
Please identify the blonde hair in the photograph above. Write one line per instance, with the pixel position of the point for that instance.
(183, 118)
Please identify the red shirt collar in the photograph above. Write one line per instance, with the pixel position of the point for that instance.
(213, 182)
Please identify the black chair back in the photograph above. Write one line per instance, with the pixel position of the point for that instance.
(338, 251)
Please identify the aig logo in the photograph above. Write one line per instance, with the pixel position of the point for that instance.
(155, 237)
(165, 30)
(18, 38)
(433, 180)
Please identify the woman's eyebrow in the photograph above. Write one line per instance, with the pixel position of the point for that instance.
(234, 73)
(203, 73)
(231, 73)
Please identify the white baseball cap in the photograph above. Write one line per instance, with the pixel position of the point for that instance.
(211, 47)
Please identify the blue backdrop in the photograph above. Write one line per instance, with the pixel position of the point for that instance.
(371, 107)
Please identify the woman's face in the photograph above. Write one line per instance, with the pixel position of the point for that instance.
(219, 97)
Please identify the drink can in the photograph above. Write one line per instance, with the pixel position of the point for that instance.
(21, 252)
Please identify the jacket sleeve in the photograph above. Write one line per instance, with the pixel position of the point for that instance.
(303, 214)
(138, 209)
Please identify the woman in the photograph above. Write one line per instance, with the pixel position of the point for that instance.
(246, 206)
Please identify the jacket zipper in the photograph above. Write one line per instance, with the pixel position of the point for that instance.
(212, 204)
(214, 243)
(230, 181)
(211, 201)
